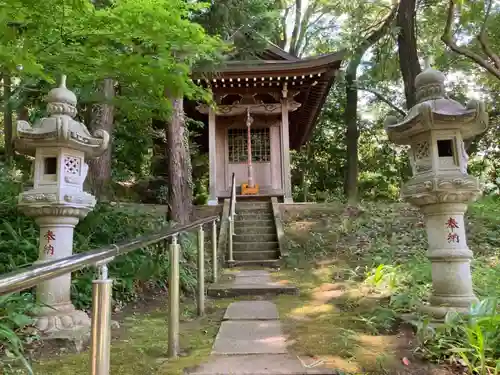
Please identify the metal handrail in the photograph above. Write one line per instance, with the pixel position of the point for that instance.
(102, 287)
(232, 213)
(31, 276)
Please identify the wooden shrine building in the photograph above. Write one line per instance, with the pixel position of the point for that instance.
(275, 102)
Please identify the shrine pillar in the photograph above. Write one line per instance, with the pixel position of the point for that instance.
(212, 156)
(285, 148)
(436, 128)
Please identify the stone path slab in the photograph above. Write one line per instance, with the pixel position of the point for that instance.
(251, 310)
(250, 337)
(264, 364)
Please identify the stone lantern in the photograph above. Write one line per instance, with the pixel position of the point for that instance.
(436, 128)
(57, 201)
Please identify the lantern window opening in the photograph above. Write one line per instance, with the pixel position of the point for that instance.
(50, 165)
(445, 147)
(447, 152)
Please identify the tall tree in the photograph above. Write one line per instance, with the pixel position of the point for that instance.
(102, 119)
(351, 108)
(407, 48)
(308, 21)
(179, 163)
(7, 117)
(244, 23)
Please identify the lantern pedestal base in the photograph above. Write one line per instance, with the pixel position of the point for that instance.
(60, 317)
(64, 322)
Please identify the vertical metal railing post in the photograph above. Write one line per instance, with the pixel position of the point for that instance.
(100, 345)
(173, 319)
(215, 261)
(201, 271)
(230, 247)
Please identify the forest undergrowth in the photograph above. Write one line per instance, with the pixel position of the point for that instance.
(362, 275)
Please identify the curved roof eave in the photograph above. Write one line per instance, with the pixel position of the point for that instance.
(283, 66)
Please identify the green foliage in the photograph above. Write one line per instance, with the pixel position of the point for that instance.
(18, 233)
(246, 23)
(15, 321)
(318, 170)
(471, 340)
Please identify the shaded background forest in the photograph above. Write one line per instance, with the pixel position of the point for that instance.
(129, 63)
(119, 71)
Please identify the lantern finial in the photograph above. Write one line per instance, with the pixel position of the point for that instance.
(61, 101)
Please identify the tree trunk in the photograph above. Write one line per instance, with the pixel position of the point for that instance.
(352, 135)
(7, 118)
(160, 149)
(407, 48)
(180, 192)
(351, 110)
(99, 175)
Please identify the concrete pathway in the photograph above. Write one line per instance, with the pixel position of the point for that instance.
(251, 282)
(250, 339)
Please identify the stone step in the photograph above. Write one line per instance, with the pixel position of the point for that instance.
(255, 246)
(254, 230)
(250, 283)
(254, 223)
(255, 255)
(254, 216)
(222, 291)
(256, 237)
(253, 206)
(272, 263)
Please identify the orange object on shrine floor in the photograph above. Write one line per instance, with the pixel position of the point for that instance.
(247, 190)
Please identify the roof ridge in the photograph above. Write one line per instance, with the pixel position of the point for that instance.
(271, 47)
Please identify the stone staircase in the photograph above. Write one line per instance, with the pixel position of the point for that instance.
(255, 242)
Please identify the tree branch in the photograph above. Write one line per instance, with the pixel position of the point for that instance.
(284, 39)
(483, 39)
(382, 98)
(448, 40)
(296, 27)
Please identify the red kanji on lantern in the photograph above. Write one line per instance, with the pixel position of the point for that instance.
(49, 249)
(50, 236)
(452, 224)
(453, 237)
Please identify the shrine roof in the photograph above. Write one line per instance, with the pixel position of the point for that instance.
(310, 80)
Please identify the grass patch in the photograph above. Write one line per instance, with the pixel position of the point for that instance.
(141, 345)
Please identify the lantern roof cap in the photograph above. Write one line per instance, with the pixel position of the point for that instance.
(60, 129)
(436, 111)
